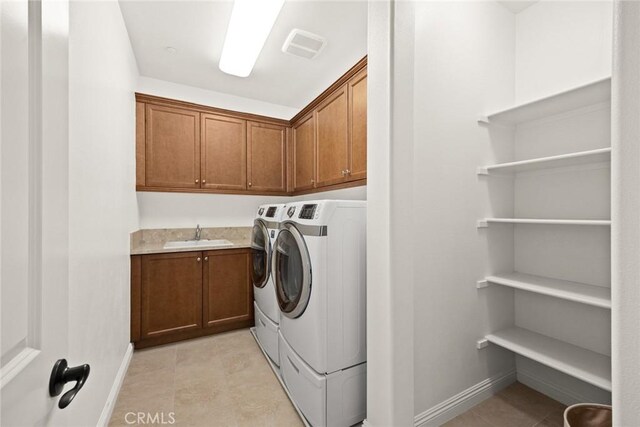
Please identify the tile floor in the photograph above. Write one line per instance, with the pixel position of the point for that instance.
(515, 406)
(222, 380)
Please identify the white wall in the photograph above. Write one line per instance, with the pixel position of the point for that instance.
(464, 65)
(151, 86)
(184, 210)
(102, 204)
(625, 230)
(561, 44)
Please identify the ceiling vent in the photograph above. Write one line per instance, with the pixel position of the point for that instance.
(303, 43)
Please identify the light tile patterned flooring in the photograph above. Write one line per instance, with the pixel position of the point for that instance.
(515, 406)
(221, 380)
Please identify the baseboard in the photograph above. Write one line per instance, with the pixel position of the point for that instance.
(115, 388)
(553, 390)
(465, 400)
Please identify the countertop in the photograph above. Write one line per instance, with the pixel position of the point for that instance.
(152, 241)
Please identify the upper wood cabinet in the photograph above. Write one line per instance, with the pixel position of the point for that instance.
(358, 126)
(224, 153)
(267, 157)
(227, 288)
(304, 153)
(332, 139)
(171, 293)
(172, 149)
(193, 148)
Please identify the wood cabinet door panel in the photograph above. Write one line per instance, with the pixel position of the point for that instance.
(304, 153)
(228, 291)
(332, 139)
(266, 148)
(224, 152)
(358, 126)
(172, 149)
(171, 293)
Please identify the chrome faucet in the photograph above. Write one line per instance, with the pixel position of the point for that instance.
(198, 232)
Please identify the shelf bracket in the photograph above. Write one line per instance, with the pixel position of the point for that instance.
(483, 119)
(482, 343)
(482, 223)
(481, 284)
(482, 170)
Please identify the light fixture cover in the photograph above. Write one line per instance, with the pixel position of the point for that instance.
(250, 25)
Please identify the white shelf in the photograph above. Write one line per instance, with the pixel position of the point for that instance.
(582, 96)
(588, 366)
(597, 296)
(571, 159)
(487, 221)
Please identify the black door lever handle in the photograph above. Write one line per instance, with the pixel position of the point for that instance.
(62, 374)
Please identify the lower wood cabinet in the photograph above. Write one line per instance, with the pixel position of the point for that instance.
(228, 292)
(184, 295)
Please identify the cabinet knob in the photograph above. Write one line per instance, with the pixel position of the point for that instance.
(197, 181)
(204, 181)
(250, 184)
(198, 259)
(313, 181)
(206, 258)
(347, 171)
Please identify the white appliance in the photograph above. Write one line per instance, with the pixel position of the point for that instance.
(266, 311)
(319, 267)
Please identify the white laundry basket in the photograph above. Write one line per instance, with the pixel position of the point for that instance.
(588, 415)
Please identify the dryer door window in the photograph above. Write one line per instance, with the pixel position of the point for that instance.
(260, 253)
(292, 271)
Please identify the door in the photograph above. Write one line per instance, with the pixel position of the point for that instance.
(266, 163)
(292, 271)
(172, 149)
(304, 153)
(33, 210)
(224, 152)
(357, 126)
(228, 297)
(260, 254)
(171, 293)
(332, 139)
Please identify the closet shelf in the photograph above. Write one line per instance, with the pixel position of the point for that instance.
(570, 159)
(597, 296)
(588, 366)
(582, 96)
(482, 223)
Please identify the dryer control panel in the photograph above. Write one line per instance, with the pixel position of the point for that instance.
(307, 211)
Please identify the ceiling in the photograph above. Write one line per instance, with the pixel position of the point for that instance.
(196, 30)
(517, 6)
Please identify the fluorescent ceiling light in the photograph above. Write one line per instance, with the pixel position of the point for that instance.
(250, 25)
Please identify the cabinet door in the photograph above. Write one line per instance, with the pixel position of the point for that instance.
(172, 149)
(304, 153)
(332, 139)
(266, 148)
(358, 126)
(171, 293)
(224, 152)
(228, 293)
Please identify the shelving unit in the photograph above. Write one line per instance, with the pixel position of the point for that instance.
(488, 221)
(597, 296)
(582, 363)
(563, 160)
(586, 365)
(582, 96)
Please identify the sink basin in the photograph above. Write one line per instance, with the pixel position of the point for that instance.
(197, 244)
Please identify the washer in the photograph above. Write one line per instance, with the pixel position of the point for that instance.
(267, 314)
(319, 267)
